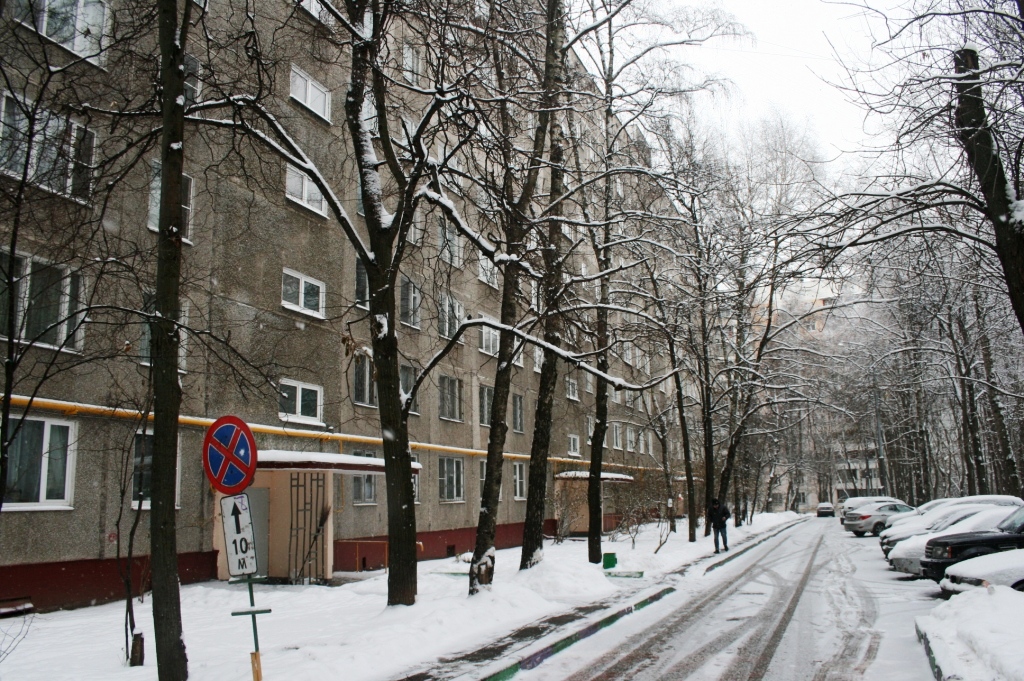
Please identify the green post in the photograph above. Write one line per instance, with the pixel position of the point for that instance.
(252, 604)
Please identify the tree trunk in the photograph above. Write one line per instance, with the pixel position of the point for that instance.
(172, 662)
(691, 490)
(1006, 463)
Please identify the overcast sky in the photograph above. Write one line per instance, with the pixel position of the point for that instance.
(785, 66)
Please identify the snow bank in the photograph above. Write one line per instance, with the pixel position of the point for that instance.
(976, 635)
(347, 632)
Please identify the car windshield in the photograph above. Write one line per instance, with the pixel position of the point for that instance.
(1014, 523)
(952, 520)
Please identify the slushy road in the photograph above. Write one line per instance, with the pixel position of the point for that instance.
(813, 603)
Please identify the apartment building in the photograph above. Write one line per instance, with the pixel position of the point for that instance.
(275, 329)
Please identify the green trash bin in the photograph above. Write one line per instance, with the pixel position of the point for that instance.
(610, 561)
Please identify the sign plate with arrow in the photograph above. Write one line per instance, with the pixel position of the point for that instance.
(238, 535)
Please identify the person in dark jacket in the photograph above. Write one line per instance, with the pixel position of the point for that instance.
(719, 515)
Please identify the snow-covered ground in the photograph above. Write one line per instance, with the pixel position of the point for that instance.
(348, 632)
(975, 636)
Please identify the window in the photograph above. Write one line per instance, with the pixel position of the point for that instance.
(538, 358)
(483, 479)
(519, 480)
(574, 445)
(58, 158)
(616, 396)
(642, 442)
(364, 488)
(310, 93)
(449, 241)
(302, 293)
(300, 188)
(486, 402)
(300, 402)
(75, 24)
(142, 471)
(627, 353)
(154, 201)
(407, 376)
(40, 464)
(450, 407)
(590, 429)
(518, 415)
(489, 340)
(47, 300)
(409, 307)
(488, 271)
(650, 443)
(572, 389)
(145, 353)
(316, 8)
(630, 438)
(362, 286)
(617, 435)
(449, 316)
(517, 357)
(451, 485)
(412, 63)
(416, 480)
(588, 381)
(191, 87)
(364, 388)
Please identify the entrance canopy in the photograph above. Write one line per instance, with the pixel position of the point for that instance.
(583, 475)
(346, 464)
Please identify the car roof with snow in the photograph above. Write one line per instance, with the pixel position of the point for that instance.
(1002, 567)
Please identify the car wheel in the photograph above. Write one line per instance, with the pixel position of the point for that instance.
(877, 529)
(859, 533)
(1019, 586)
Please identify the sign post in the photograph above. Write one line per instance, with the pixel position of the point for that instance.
(229, 459)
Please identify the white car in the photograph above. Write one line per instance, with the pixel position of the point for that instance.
(913, 525)
(906, 556)
(920, 510)
(856, 502)
(1005, 568)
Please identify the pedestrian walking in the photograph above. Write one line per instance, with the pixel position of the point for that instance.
(719, 515)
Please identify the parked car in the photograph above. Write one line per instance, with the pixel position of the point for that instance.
(911, 526)
(856, 502)
(826, 510)
(871, 517)
(1003, 569)
(907, 555)
(954, 548)
(920, 510)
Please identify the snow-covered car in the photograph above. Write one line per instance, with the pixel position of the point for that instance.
(1004, 569)
(871, 517)
(920, 510)
(946, 551)
(906, 556)
(856, 502)
(908, 527)
(826, 510)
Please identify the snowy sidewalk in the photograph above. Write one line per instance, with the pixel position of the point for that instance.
(318, 632)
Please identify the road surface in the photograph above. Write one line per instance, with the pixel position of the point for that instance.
(813, 603)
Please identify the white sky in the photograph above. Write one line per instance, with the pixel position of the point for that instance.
(785, 66)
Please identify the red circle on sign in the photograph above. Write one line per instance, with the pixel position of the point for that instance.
(229, 455)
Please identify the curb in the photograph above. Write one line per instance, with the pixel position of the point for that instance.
(937, 672)
(761, 540)
(535, 658)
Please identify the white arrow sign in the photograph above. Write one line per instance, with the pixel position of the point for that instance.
(238, 537)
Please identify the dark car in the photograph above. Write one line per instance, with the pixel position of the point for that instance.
(942, 552)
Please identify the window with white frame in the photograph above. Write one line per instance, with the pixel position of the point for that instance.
(153, 220)
(142, 471)
(310, 93)
(75, 24)
(574, 445)
(409, 305)
(145, 353)
(412, 63)
(538, 358)
(450, 314)
(641, 442)
(588, 381)
(58, 156)
(449, 241)
(316, 8)
(489, 340)
(302, 293)
(572, 389)
(630, 438)
(451, 478)
(518, 414)
(590, 429)
(192, 83)
(362, 286)
(300, 402)
(48, 307)
(364, 487)
(488, 271)
(41, 464)
(407, 376)
(617, 435)
(517, 356)
(483, 480)
(416, 480)
(519, 480)
(450, 404)
(486, 403)
(301, 189)
(616, 396)
(364, 388)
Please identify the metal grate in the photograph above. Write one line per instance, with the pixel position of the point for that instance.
(309, 516)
